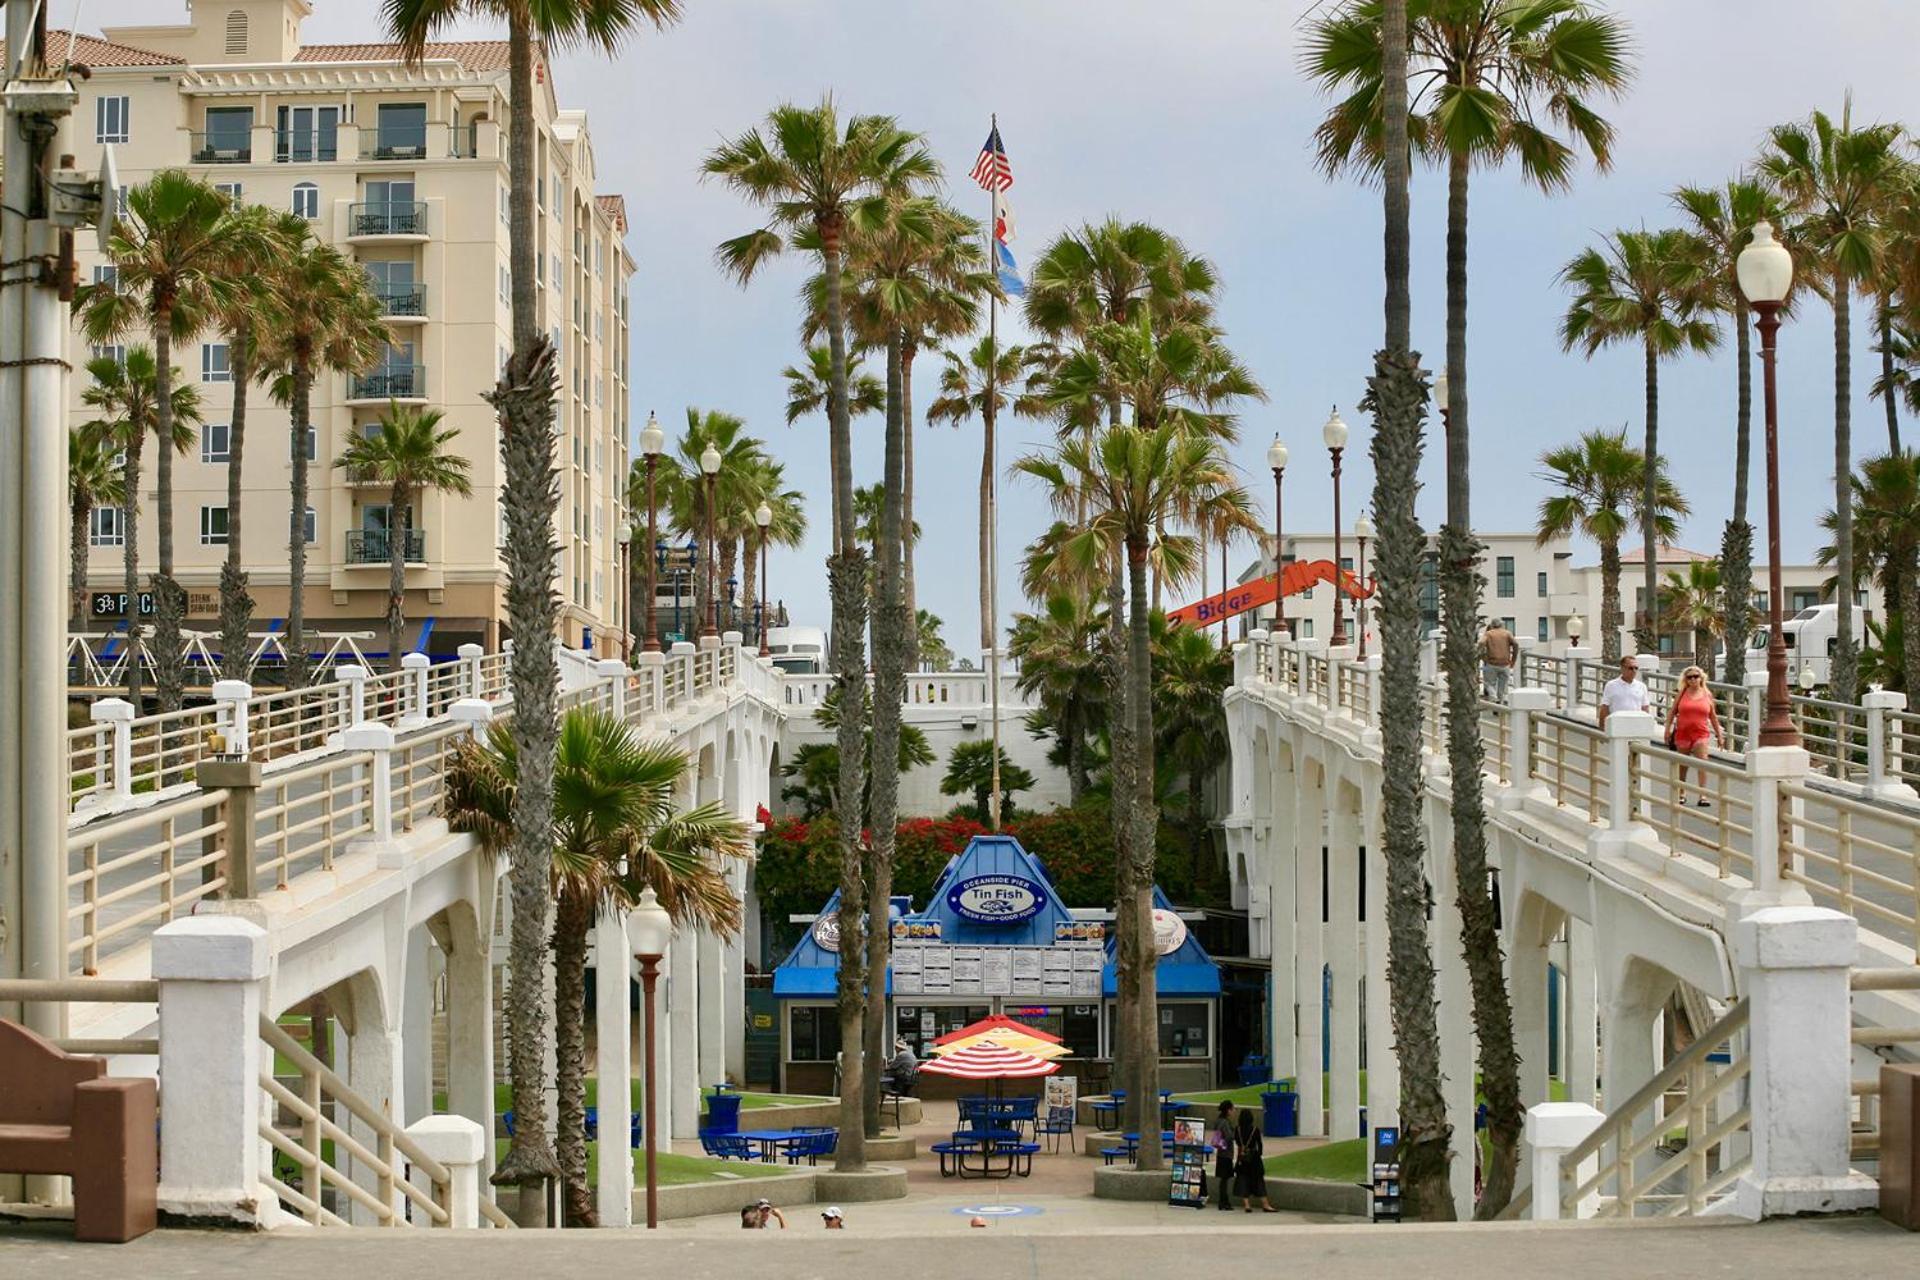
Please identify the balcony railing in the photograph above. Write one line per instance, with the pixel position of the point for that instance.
(304, 146)
(221, 148)
(401, 299)
(375, 546)
(389, 382)
(388, 218)
(393, 144)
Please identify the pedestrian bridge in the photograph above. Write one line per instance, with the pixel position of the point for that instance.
(1625, 903)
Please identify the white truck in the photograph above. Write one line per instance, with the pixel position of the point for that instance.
(798, 651)
(1811, 636)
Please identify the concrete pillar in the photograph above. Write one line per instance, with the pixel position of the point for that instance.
(653, 666)
(1767, 768)
(613, 1065)
(470, 655)
(476, 713)
(1633, 995)
(373, 1072)
(1583, 1044)
(733, 959)
(117, 714)
(683, 998)
(712, 1015)
(459, 1144)
(1383, 1061)
(211, 971)
(1756, 705)
(1623, 730)
(1430, 656)
(1569, 692)
(1876, 704)
(1794, 963)
(1527, 961)
(231, 697)
(415, 665)
(1455, 994)
(1282, 869)
(1310, 954)
(614, 672)
(470, 1022)
(1524, 708)
(1343, 958)
(352, 682)
(1552, 1130)
(377, 741)
(416, 1040)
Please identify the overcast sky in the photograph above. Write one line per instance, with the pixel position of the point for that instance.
(1195, 117)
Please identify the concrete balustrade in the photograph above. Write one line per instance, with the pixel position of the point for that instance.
(415, 665)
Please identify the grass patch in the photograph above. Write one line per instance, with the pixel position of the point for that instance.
(674, 1170)
(1329, 1162)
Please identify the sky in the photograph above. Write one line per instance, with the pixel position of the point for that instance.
(1195, 117)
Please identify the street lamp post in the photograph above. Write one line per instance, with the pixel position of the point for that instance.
(710, 467)
(1334, 433)
(1277, 461)
(763, 517)
(1362, 530)
(1765, 271)
(650, 928)
(652, 440)
(626, 590)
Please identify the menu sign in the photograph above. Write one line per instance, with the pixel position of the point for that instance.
(996, 970)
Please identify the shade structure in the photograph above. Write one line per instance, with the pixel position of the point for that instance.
(1005, 1032)
(985, 1060)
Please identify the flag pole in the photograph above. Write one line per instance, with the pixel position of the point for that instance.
(993, 492)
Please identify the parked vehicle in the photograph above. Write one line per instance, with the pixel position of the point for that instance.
(1811, 637)
(798, 651)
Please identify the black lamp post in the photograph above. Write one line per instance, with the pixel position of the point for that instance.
(1334, 433)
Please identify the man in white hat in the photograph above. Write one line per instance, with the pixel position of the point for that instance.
(831, 1219)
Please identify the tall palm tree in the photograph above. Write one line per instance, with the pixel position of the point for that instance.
(1835, 178)
(1192, 674)
(1603, 483)
(1654, 289)
(1136, 482)
(124, 400)
(171, 251)
(1060, 668)
(93, 480)
(810, 386)
(410, 454)
(1895, 285)
(250, 307)
(1886, 504)
(819, 181)
(1723, 218)
(329, 322)
(524, 400)
(616, 830)
(1691, 603)
(980, 382)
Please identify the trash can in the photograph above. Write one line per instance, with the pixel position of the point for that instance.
(1280, 1109)
(723, 1113)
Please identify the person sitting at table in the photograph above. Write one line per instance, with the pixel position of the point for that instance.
(1250, 1169)
(903, 1069)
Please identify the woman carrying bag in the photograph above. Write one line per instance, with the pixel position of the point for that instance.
(1250, 1168)
(1222, 1144)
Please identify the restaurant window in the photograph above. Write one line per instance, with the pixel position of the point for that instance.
(1183, 1029)
(815, 1033)
(921, 1024)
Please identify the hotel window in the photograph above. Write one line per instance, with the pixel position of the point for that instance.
(1540, 631)
(214, 439)
(311, 527)
(213, 526)
(120, 201)
(506, 287)
(306, 201)
(213, 363)
(233, 191)
(108, 275)
(110, 120)
(506, 208)
(305, 134)
(114, 351)
(400, 131)
(1541, 579)
(107, 527)
(1503, 577)
(1508, 624)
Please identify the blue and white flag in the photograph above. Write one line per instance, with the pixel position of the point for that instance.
(1003, 264)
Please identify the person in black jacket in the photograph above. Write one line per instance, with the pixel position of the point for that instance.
(1223, 1154)
(1250, 1170)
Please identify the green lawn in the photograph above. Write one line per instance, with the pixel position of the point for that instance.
(503, 1098)
(1329, 1162)
(676, 1170)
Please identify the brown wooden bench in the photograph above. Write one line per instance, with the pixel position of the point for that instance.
(61, 1114)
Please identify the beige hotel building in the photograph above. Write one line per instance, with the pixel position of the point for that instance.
(406, 169)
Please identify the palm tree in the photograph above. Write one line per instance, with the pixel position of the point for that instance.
(616, 830)
(1894, 287)
(1653, 288)
(408, 453)
(929, 644)
(736, 492)
(1059, 666)
(1193, 674)
(819, 182)
(1136, 482)
(1603, 483)
(1835, 179)
(124, 398)
(93, 480)
(1723, 218)
(171, 251)
(970, 773)
(978, 383)
(252, 306)
(1886, 504)
(788, 528)
(329, 321)
(1691, 602)
(868, 504)
(810, 386)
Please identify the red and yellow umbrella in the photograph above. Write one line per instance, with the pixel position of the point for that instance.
(986, 1060)
(1005, 1032)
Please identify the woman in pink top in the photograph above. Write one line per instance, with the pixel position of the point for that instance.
(1693, 725)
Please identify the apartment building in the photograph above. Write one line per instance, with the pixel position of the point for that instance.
(405, 168)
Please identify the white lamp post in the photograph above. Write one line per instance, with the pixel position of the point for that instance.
(1765, 270)
(763, 517)
(710, 468)
(1362, 530)
(1334, 434)
(650, 928)
(1277, 462)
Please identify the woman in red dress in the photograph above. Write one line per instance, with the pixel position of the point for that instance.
(1693, 725)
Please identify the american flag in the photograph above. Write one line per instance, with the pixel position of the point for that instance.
(991, 170)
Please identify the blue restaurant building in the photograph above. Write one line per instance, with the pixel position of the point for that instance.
(994, 937)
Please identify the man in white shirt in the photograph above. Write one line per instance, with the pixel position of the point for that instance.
(1625, 692)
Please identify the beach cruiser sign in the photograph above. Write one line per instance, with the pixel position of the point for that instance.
(996, 899)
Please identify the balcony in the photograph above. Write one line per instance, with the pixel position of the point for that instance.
(387, 220)
(375, 546)
(305, 146)
(388, 382)
(405, 303)
(393, 144)
(226, 147)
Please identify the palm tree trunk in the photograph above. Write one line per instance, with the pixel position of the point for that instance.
(1121, 769)
(1647, 625)
(1846, 653)
(1144, 820)
(302, 406)
(908, 350)
(889, 691)
(1885, 317)
(236, 606)
(728, 567)
(77, 563)
(397, 501)
(130, 559)
(750, 580)
(1910, 624)
(573, 921)
(169, 608)
(1610, 618)
(1736, 542)
(847, 587)
(1075, 735)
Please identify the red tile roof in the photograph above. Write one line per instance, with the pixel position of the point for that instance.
(615, 207)
(92, 51)
(474, 55)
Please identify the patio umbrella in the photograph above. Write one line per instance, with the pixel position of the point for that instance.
(1005, 1032)
(986, 1060)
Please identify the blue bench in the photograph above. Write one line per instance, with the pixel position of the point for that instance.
(1109, 1154)
(951, 1152)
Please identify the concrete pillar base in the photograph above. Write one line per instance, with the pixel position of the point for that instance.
(1755, 1198)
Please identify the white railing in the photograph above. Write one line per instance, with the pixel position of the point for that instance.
(1854, 856)
(141, 870)
(1571, 758)
(308, 815)
(1698, 806)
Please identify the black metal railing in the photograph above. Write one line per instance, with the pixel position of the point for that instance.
(393, 144)
(388, 218)
(401, 299)
(222, 148)
(389, 382)
(304, 146)
(375, 546)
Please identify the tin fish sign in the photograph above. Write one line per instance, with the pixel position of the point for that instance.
(996, 899)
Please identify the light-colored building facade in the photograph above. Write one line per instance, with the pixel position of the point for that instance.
(406, 169)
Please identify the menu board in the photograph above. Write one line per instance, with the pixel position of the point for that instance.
(1026, 968)
(936, 971)
(967, 976)
(907, 970)
(996, 970)
(1087, 969)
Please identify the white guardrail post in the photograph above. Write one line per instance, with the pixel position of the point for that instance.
(1524, 708)
(1876, 703)
(653, 667)
(118, 713)
(458, 1143)
(1624, 728)
(415, 665)
(1756, 707)
(353, 694)
(376, 739)
(470, 655)
(232, 697)
(475, 713)
(614, 672)
(1767, 768)
(1430, 656)
(1570, 676)
(1552, 1130)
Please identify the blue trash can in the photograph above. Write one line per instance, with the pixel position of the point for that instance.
(1280, 1110)
(723, 1113)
